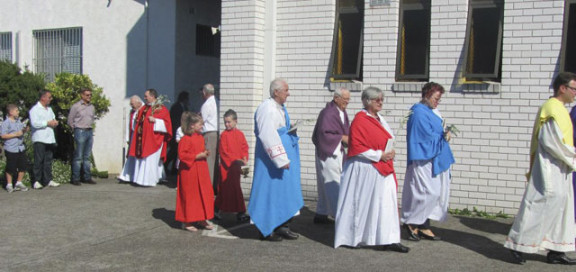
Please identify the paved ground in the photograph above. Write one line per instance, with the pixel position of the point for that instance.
(118, 227)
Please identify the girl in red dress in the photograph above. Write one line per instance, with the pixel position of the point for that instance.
(233, 151)
(194, 196)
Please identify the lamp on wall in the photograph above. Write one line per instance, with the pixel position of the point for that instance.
(215, 30)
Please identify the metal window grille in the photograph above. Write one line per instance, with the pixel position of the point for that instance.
(6, 46)
(207, 43)
(57, 51)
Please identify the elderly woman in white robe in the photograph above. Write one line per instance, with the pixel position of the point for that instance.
(367, 211)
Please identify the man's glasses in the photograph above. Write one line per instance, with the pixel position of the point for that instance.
(571, 88)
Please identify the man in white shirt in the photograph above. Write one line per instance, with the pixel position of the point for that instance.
(209, 113)
(43, 121)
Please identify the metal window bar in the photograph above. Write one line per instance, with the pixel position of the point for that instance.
(57, 51)
(6, 46)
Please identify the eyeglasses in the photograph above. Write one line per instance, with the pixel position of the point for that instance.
(571, 88)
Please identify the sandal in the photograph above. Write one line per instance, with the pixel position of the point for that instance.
(189, 227)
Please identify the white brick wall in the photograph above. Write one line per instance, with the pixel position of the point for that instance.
(492, 149)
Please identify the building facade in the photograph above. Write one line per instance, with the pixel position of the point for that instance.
(495, 58)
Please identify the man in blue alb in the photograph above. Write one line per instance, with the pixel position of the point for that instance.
(276, 195)
(427, 182)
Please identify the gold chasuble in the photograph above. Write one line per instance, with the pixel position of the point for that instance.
(551, 109)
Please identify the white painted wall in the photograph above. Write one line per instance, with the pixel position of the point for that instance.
(119, 42)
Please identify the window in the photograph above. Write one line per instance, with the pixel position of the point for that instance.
(483, 47)
(348, 40)
(6, 46)
(413, 41)
(57, 51)
(207, 43)
(568, 57)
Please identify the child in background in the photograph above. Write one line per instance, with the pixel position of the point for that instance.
(233, 151)
(12, 132)
(194, 196)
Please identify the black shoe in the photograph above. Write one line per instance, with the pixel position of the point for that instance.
(322, 219)
(271, 238)
(412, 236)
(242, 217)
(396, 247)
(287, 234)
(217, 215)
(518, 257)
(428, 237)
(90, 181)
(75, 182)
(555, 257)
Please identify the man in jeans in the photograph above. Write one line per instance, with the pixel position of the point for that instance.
(43, 121)
(80, 120)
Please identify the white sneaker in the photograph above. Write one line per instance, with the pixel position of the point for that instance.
(37, 185)
(53, 184)
(21, 187)
(9, 188)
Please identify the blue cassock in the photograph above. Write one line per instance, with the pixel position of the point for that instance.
(276, 194)
(426, 141)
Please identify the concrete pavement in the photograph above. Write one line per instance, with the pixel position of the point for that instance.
(119, 227)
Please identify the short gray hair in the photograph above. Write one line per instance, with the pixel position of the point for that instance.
(137, 99)
(339, 90)
(208, 88)
(277, 84)
(369, 94)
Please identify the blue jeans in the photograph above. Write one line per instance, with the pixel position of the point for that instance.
(81, 160)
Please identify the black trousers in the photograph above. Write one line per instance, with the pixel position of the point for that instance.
(43, 155)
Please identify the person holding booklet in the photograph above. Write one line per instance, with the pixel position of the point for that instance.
(427, 181)
(367, 211)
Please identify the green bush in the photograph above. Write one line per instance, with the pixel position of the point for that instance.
(19, 87)
(66, 91)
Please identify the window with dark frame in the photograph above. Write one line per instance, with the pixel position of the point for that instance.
(57, 51)
(412, 60)
(568, 54)
(483, 47)
(6, 46)
(207, 43)
(347, 43)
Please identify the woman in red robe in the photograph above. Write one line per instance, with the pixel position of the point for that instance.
(233, 155)
(195, 196)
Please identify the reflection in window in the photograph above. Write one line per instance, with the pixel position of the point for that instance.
(347, 41)
(484, 40)
(568, 58)
(58, 50)
(413, 41)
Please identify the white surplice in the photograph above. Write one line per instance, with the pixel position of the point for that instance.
(328, 174)
(545, 219)
(367, 212)
(424, 196)
(146, 171)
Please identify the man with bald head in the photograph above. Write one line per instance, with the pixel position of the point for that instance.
(330, 137)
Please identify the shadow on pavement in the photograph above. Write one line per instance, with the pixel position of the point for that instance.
(485, 225)
(321, 233)
(166, 216)
(476, 243)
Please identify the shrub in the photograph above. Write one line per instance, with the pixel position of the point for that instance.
(66, 91)
(19, 87)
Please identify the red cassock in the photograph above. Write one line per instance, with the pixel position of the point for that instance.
(144, 140)
(233, 147)
(194, 196)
